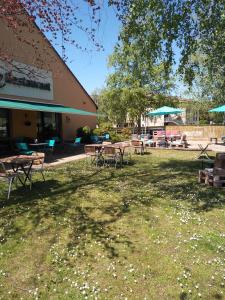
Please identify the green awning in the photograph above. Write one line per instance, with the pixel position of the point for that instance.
(36, 106)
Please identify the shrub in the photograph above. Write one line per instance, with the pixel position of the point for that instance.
(84, 133)
(126, 133)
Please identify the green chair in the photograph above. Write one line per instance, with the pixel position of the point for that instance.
(23, 149)
(51, 145)
(77, 141)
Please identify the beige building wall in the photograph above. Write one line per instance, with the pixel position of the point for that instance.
(66, 88)
(20, 127)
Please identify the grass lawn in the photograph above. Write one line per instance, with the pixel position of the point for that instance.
(146, 231)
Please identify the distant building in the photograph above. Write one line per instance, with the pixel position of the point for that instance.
(188, 117)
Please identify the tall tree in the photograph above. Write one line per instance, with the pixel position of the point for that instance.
(160, 27)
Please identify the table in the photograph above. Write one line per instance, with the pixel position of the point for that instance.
(21, 164)
(121, 146)
(39, 145)
(207, 161)
(214, 139)
(203, 151)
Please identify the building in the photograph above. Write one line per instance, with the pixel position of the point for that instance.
(39, 95)
(189, 116)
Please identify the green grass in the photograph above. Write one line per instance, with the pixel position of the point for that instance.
(146, 231)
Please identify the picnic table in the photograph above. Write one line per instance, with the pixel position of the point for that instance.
(21, 164)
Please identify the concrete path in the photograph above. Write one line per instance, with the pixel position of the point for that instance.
(67, 159)
(193, 146)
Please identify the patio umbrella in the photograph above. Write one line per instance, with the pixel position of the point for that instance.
(165, 110)
(218, 109)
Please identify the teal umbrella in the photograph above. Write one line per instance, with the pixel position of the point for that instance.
(165, 110)
(218, 109)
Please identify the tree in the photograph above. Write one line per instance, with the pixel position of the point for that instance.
(138, 81)
(55, 18)
(159, 27)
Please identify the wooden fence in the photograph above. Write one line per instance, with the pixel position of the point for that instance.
(201, 132)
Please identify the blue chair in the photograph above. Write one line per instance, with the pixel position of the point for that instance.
(106, 136)
(23, 149)
(95, 139)
(77, 141)
(51, 145)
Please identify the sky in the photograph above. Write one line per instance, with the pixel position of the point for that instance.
(90, 67)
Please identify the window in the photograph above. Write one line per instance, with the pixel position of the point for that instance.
(48, 125)
(4, 123)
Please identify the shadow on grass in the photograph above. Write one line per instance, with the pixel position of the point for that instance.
(187, 188)
(54, 200)
(63, 193)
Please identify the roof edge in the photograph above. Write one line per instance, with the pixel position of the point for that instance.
(56, 52)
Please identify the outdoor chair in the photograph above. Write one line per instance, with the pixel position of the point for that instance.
(94, 153)
(112, 155)
(150, 143)
(138, 146)
(216, 175)
(23, 149)
(38, 168)
(77, 141)
(127, 155)
(50, 146)
(182, 143)
(9, 176)
(106, 136)
(95, 139)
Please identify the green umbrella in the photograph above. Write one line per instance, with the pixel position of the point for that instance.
(218, 109)
(165, 110)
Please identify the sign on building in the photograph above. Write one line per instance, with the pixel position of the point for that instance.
(18, 79)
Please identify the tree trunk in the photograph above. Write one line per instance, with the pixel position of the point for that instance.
(139, 126)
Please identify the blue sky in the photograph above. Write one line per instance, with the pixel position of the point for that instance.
(90, 67)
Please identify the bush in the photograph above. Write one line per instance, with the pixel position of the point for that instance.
(84, 133)
(126, 133)
(114, 137)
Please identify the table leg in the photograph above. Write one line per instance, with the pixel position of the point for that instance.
(27, 173)
(16, 169)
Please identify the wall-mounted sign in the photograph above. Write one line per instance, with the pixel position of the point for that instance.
(19, 79)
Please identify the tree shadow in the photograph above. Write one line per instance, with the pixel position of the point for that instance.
(187, 188)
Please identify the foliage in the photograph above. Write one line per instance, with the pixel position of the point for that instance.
(159, 27)
(57, 19)
(203, 106)
(120, 105)
(102, 128)
(114, 136)
(147, 230)
(85, 133)
(126, 132)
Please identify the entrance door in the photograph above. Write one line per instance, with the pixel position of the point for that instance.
(48, 125)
